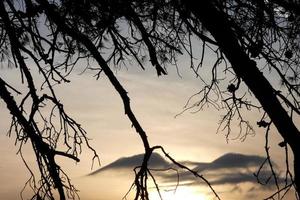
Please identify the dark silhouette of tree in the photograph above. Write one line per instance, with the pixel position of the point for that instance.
(250, 40)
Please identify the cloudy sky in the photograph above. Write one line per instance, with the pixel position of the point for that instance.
(231, 173)
(190, 137)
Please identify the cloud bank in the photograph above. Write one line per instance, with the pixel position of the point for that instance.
(231, 168)
(129, 163)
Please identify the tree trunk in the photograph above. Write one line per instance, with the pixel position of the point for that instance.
(297, 168)
(216, 23)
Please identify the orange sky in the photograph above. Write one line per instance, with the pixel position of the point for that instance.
(99, 109)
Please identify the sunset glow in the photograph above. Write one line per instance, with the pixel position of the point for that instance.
(181, 193)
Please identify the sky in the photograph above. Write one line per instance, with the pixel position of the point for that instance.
(189, 137)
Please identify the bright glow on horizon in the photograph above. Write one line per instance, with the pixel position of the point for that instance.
(180, 194)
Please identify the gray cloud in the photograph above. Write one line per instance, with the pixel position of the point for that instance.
(156, 161)
(233, 160)
(231, 168)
